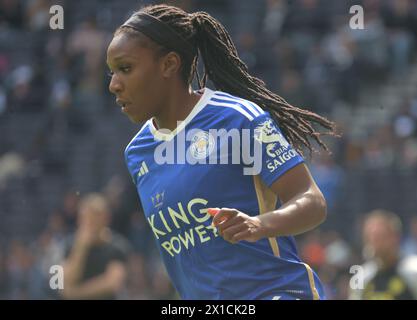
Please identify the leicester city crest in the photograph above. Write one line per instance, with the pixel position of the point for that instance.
(202, 144)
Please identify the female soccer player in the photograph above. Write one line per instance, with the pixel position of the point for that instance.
(247, 250)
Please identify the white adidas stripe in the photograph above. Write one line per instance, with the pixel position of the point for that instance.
(255, 112)
(233, 106)
(253, 107)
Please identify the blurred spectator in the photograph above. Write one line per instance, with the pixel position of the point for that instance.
(276, 12)
(379, 148)
(317, 76)
(372, 46)
(37, 14)
(95, 267)
(307, 17)
(70, 208)
(3, 276)
(409, 246)
(11, 164)
(313, 251)
(329, 177)
(18, 270)
(11, 13)
(27, 91)
(161, 286)
(388, 275)
(138, 287)
(398, 17)
(338, 252)
(48, 251)
(292, 88)
(3, 99)
(86, 46)
(341, 51)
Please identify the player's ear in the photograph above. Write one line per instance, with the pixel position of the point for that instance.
(170, 64)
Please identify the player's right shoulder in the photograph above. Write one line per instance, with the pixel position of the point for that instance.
(143, 131)
(134, 152)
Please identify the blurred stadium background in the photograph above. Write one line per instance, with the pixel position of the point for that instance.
(61, 135)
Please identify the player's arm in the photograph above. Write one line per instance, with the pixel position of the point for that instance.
(303, 208)
(109, 282)
(303, 204)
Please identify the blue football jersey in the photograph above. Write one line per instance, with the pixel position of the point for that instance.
(226, 153)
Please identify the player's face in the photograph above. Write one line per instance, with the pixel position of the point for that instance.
(136, 79)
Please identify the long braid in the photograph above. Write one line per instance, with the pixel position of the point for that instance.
(230, 74)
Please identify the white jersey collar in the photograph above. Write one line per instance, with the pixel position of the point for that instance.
(164, 134)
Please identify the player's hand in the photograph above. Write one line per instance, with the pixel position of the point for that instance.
(84, 237)
(235, 226)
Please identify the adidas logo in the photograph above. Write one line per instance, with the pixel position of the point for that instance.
(143, 169)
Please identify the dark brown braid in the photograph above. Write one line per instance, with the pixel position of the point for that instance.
(230, 74)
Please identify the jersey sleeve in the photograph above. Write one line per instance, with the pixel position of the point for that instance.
(272, 153)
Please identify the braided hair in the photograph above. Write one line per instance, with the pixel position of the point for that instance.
(229, 73)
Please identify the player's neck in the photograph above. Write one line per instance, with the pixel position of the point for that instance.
(177, 107)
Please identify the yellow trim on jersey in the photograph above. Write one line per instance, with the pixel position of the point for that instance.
(267, 201)
(312, 283)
